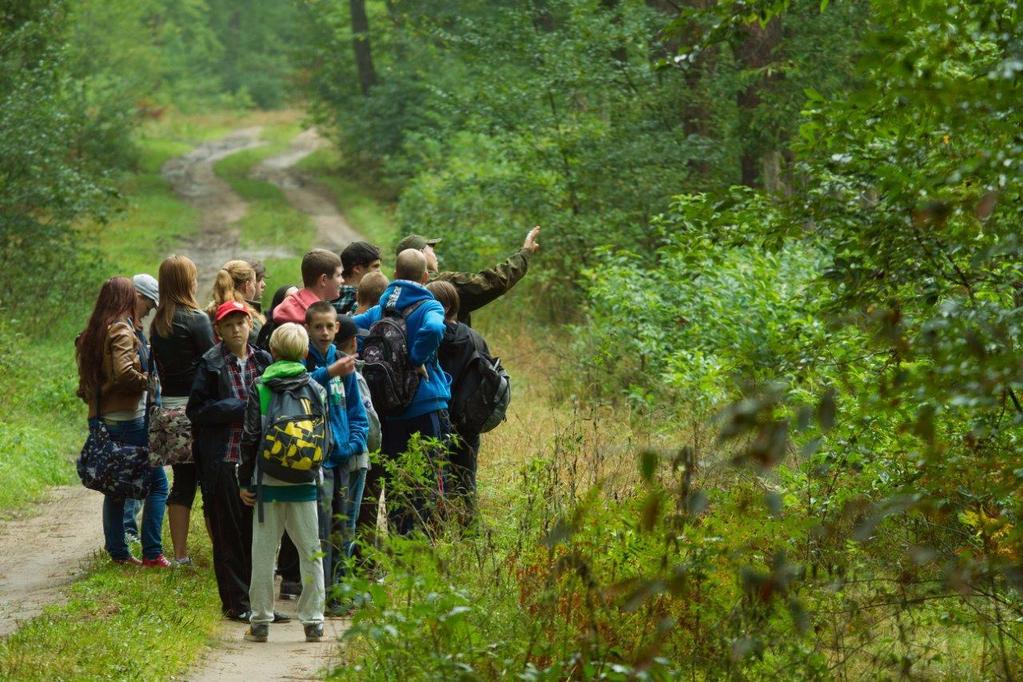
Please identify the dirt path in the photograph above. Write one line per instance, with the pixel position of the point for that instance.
(41, 554)
(333, 231)
(45, 550)
(220, 208)
(287, 656)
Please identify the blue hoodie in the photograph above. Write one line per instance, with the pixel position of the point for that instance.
(348, 424)
(425, 332)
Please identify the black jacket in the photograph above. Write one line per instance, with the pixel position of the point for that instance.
(456, 348)
(212, 411)
(178, 355)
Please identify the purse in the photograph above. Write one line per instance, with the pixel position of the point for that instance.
(111, 468)
(170, 436)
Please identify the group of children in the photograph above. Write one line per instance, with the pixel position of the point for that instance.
(312, 358)
(277, 425)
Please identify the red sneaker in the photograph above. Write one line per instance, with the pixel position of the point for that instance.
(159, 562)
(130, 561)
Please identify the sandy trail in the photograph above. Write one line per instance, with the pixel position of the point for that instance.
(333, 231)
(47, 548)
(40, 555)
(218, 238)
(287, 656)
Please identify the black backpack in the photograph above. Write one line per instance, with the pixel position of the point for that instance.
(388, 371)
(479, 402)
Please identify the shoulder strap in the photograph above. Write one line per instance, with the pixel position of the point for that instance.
(412, 308)
(264, 397)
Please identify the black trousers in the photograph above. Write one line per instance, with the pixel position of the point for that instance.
(231, 530)
(414, 506)
(460, 486)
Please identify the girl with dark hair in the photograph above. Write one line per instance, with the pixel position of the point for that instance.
(263, 338)
(112, 380)
(181, 333)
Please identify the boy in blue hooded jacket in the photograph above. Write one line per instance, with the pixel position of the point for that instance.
(348, 424)
(427, 413)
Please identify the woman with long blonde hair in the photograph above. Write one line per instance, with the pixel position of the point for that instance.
(236, 281)
(180, 333)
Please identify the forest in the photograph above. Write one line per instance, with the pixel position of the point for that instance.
(770, 424)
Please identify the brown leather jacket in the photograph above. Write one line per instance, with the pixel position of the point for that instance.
(124, 382)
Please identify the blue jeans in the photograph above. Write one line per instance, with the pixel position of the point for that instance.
(134, 433)
(131, 512)
(340, 498)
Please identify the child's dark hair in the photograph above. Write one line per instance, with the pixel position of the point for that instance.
(356, 254)
(347, 330)
(318, 262)
(447, 294)
(319, 308)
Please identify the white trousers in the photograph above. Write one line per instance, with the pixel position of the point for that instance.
(300, 520)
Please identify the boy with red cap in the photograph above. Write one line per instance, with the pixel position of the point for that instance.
(216, 408)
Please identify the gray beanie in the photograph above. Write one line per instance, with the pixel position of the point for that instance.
(147, 286)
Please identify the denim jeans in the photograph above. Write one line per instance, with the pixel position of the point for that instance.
(131, 512)
(338, 512)
(134, 433)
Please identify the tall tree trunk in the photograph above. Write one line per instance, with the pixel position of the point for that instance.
(360, 42)
(755, 52)
(619, 52)
(696, 113)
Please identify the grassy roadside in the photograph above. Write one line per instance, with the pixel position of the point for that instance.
(129, 624)
(37, 371)
(120, 623)
(40, 377)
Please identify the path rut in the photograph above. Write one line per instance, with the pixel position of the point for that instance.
(218, 238)
(42, 554)
(333, 231)
(287, 656)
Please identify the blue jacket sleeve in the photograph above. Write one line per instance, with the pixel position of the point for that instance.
(320, 376)
(429, 335)
(365, 320)
(358, 424)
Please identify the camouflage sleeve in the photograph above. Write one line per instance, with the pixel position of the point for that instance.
(475, 290)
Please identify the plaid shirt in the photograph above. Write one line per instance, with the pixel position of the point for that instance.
(345, 303)
(241, 380)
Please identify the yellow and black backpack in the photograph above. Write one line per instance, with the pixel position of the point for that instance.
(296, 432)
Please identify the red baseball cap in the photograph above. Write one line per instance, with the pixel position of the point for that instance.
(229, 308)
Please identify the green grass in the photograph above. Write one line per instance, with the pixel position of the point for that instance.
(44, 422)
(121, 623)
(369, 210)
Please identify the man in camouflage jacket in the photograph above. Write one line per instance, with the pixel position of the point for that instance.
(476, 289)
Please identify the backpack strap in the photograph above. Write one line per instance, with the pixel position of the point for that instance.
(264, 396)
(405, 312)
